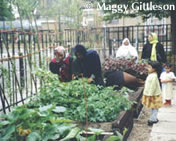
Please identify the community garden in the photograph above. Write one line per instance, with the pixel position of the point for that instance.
(35, 105)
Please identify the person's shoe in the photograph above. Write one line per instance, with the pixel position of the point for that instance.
(166, 104)
(150, 123)
(155, 121)
(169, 102)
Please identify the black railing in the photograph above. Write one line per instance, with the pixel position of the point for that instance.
(138, 35)
(110, 38)
(20, 54)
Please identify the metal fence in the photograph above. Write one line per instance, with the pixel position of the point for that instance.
(21, 53)
(107, 40)
(138, 35)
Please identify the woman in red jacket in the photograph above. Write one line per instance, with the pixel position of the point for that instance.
(61, 64)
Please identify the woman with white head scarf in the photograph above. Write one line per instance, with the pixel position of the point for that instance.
(127, 50)
(61, 64)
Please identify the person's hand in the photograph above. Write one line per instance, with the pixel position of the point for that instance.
(140, 81)
(133, 59)
(73, 77)
(164, 81)
(90, 80)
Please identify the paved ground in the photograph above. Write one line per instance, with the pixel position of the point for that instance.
(165, 130)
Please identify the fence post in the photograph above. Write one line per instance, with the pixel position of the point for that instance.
(78, 37)
(3, 101)
(110, 47)
(21, 70)
(105, 40)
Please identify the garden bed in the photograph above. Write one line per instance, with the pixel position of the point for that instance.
(124, 121)
(123, 124)
(139, 70)
(137, 106)
(51, 114)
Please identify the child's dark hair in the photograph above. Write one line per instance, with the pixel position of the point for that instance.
(168, 65)
(157, 66)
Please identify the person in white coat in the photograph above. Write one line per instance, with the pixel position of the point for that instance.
(167, 78)
(127, 50)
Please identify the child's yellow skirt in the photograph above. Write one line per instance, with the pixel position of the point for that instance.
(152, 101)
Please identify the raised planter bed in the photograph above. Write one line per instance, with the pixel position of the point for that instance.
(137, 106)
(123, 122)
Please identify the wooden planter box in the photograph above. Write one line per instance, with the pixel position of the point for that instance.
(136, 96)
(124, 120)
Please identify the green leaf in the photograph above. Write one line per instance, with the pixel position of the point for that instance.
(113, 138)
(96, 131)
(43, 114)
(13, 115)
(3, 116)
(59, 109)
(63, 128)
(5, 122)
(72, 134)
(119, 135)
(125, 131)
(8, 131)
(60, 120)
(45, 108)
(80, 138)
(50, 132)
(51, 137)
(34, 136)
(92, 138)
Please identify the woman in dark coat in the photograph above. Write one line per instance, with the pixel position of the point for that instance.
(61, 64)
(154, 50)
(88, 64)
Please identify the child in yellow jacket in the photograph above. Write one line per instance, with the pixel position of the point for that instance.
(152, 91)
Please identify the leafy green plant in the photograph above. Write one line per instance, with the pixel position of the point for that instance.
(103, 104)
(41, 124)
(50, 115)
(7, 84)
(22, 121)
